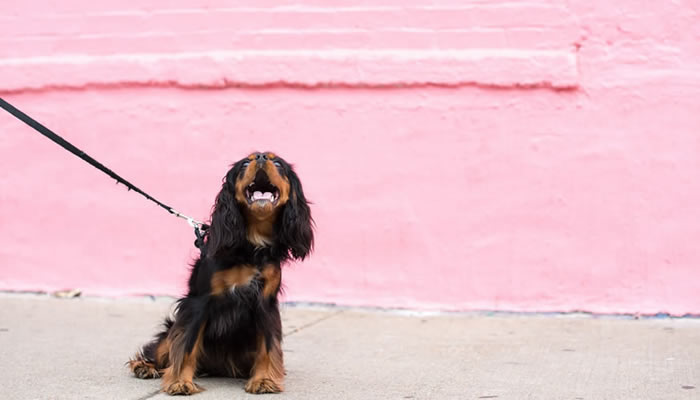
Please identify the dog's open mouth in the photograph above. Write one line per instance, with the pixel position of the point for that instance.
(261, 189)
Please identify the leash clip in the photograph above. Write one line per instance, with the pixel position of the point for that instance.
(199, 233)
(200, 228)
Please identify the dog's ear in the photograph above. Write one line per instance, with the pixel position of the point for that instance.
(296, 225)
(227, 228)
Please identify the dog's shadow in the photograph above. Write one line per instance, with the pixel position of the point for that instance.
(215, 384)
(218, 387)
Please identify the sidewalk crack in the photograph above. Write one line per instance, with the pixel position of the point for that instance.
(148, 396)
(312, 323)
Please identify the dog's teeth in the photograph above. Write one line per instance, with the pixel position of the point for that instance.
(258, 195)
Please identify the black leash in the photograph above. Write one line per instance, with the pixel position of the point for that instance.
(199, 227)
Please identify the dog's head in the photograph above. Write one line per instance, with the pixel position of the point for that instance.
(261, 201)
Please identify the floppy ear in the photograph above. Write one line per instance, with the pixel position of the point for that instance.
(296, 225)
(227, 228)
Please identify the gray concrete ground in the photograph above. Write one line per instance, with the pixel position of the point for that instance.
(76, 348)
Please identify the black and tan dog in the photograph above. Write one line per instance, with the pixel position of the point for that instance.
(229, 322)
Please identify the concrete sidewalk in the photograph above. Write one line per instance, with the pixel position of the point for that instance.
(76, 349)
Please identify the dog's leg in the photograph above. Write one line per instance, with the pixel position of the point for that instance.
(185, 339)
(268, 371)
(150, 362)
(267, 375)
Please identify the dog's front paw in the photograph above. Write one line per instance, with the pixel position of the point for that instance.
(182, 388)
(263, 385)
(143, 369)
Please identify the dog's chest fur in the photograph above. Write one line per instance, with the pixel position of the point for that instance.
(238, 292)
(235, 277)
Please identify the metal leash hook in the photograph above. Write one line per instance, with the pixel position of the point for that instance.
(199, 242)
(199, 231)
(200, 228)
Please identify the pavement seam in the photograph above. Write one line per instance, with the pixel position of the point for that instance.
(149, 396)
(314, 322)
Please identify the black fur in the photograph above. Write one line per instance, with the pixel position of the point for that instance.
(233, 320)
(295, 232)
(227, 229)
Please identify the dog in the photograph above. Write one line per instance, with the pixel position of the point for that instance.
(229, 322)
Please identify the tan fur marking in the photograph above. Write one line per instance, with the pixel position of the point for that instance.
(143, 369)
(244, 181)
(261, 233)
(272, 276)
(267, 375)
(177, 378)
(278, 180)
(222, 281)
(162, 353)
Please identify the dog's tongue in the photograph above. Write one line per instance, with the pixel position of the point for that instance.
(262, 196)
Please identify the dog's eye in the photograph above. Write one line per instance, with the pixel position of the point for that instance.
(245, 164)
(277, 164)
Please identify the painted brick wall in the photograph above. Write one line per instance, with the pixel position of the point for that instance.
(460, 154)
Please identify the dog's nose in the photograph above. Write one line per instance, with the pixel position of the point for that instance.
(261, 160)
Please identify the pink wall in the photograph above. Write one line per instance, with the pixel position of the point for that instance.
(468, 155)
